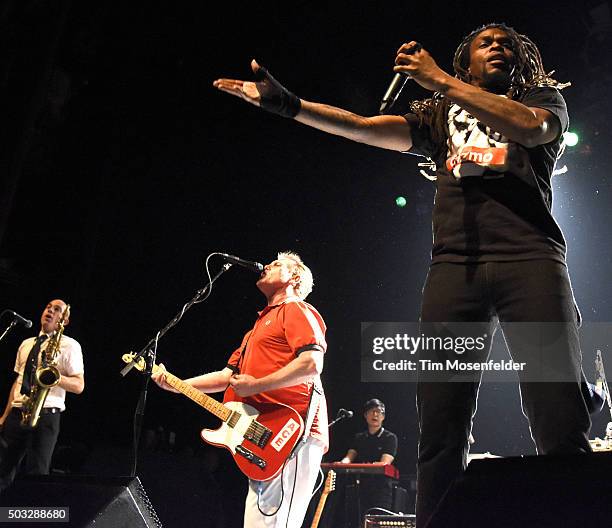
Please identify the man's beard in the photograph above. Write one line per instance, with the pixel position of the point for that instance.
(497, 82)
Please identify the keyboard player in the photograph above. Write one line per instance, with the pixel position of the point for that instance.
(376, 444)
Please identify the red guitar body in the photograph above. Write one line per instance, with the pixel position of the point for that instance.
(260, 436)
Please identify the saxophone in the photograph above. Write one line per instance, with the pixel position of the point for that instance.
(47, 376)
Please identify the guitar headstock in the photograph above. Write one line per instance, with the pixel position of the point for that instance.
(140, 363)
(330, 482)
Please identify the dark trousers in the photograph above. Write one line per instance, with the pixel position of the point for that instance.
(375, 491)
(36, 445)
(511, 292)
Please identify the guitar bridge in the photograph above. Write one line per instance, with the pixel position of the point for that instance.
(251, 457)
(258, 434)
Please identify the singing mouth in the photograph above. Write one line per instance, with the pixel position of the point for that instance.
(498, 59)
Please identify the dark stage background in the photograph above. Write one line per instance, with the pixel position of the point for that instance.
(122, 168)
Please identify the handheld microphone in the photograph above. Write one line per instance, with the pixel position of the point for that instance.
(248, 264)
(20, 319)
(392, 93)
(397, 85)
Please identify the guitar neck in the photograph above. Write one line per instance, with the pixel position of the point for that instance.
(319, 511)
(204, 400)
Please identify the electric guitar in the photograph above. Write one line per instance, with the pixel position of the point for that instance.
(260, 437)
(330, 485)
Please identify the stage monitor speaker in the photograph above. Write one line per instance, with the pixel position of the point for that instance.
(379, 521)
(116, 502)
(537, 491)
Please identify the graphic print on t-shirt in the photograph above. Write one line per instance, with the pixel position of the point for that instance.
(473, 147)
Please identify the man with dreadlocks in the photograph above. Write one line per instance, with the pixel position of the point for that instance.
(494, 131)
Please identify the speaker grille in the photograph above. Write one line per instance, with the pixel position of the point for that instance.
(403, 521)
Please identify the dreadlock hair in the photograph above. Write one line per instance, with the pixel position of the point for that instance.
(527, 72)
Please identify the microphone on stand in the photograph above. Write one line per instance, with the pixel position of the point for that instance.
(16, 319)
(344, 413)
(20, 319)
(397, 85)
(341, 415)
(248, 264)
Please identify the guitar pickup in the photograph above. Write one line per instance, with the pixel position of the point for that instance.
(233, 419)
(251, 457)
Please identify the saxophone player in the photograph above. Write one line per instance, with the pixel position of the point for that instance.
(37, 443)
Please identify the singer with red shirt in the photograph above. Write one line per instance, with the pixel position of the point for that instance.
(280, 361)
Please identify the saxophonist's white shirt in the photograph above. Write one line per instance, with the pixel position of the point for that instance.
(69, 362)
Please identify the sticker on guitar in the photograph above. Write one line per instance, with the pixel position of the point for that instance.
(285, 434)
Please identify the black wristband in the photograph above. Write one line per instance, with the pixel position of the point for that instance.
(274, 97)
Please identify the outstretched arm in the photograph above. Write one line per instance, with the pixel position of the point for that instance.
(388, 131)
(211, 382)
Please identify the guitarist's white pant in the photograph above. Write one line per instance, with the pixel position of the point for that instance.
(301, 470)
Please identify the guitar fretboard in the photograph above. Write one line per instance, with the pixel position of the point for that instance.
(317, 515)
(204, 400)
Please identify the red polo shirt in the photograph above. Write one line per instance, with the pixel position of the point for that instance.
(280, 334)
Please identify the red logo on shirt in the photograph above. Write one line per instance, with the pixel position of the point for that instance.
(486, 157)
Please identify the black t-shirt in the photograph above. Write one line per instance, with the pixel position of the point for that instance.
(370, 447)
(493, 196)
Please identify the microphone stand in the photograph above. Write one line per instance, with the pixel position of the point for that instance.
(149, 353)
(9, 327)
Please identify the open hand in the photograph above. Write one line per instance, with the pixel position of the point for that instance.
(248, 90)
(265, 92)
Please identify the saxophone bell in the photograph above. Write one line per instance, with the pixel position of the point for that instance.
(48, 377)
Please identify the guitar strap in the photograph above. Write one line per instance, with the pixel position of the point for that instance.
(236, 369)
(313, 405)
